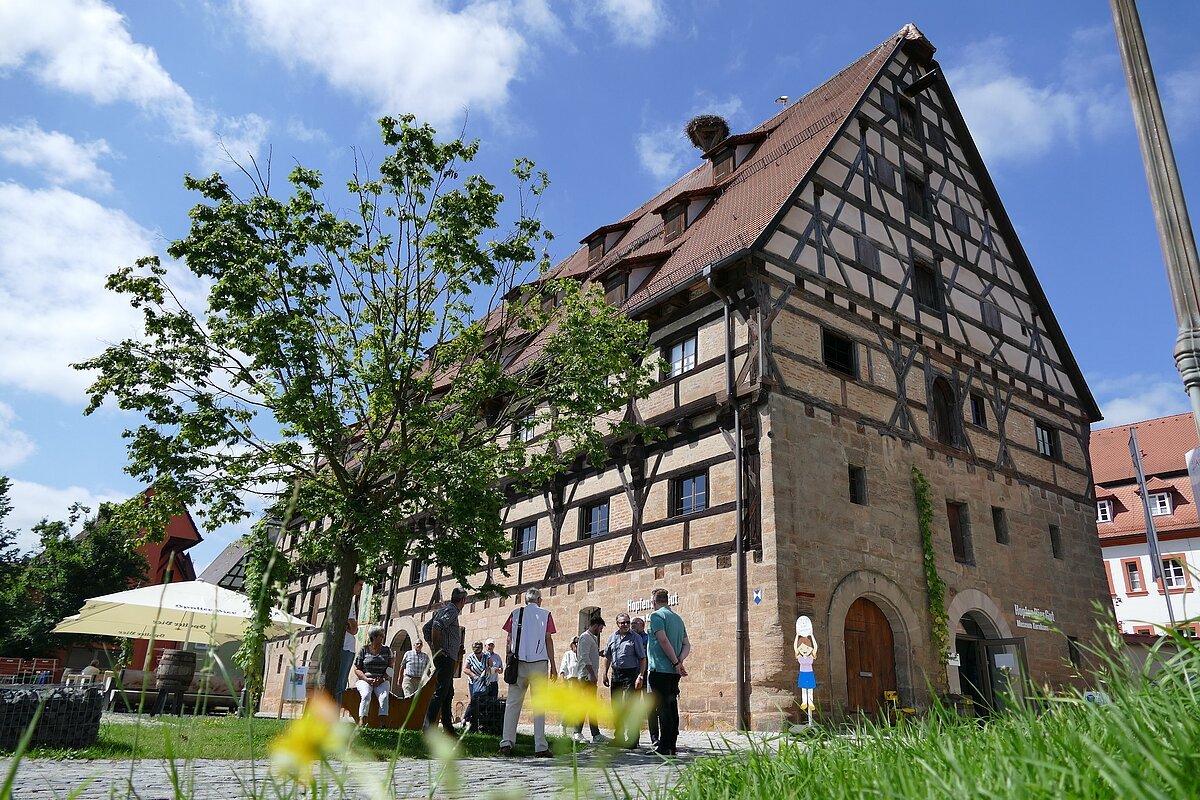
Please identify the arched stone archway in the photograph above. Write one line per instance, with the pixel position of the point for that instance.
(984, 612)
(901, 616)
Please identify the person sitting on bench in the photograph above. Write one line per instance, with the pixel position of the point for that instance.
(372, 670)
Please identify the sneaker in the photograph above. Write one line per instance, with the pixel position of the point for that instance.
(579, 739)
(505, 750)
(600, 738)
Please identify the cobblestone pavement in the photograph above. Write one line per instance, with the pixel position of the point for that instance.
(39, 779)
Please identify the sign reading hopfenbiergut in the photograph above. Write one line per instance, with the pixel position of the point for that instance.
(1033, 618)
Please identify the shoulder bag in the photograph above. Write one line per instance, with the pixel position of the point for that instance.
(510, 667)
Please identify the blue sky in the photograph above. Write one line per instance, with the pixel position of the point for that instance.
(104, 107)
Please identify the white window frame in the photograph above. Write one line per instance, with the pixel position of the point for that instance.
(1174, 573)
(1160, 504)
(1104, 511)
(681, 356)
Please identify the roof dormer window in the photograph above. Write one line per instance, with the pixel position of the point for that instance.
(674, 221)
(601, 241)
(595, 251)
(723, 164)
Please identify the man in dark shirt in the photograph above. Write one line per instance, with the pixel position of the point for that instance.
(447, 645)
(625, 657)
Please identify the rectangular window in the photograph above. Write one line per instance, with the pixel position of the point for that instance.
(989, 312)
(978, 411)
(1047, 440)
(908, 121)
(866, 253)
(690, 494)
(525, 427)
(616, 290)
(926, 290)
(1104, 511)
(1132, 568)
(885, 172)
(960, 532)
(838, 353)
(723, 165)
(1000, 524)
(594, 520)
(916, 195)
(674, 222)
(889, 101)
(858, 485)
(1174, 573)
(420, 573)
(525, 539)
(595, 250)
(934, 135)
(1074, 652)
(1056, 541)
(681, 357)
(1160, 504)
(962, 222)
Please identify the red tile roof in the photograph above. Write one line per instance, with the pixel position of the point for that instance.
(1163, 442)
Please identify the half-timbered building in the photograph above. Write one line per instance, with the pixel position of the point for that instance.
(839, 298)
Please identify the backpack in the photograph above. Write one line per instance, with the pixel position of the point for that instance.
(427, 631)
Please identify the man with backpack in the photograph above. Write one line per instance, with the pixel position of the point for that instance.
(446, 645)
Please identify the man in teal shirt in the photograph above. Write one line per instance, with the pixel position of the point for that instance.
(667, 649)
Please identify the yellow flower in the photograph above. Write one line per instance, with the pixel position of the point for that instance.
(568, 701)
(308, 740)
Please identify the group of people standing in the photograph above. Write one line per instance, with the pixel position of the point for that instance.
(634, 660)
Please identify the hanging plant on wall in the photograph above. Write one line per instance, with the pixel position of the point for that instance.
(935, 587)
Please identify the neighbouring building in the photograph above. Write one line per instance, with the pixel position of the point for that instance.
(1139, 599)
(840, 297)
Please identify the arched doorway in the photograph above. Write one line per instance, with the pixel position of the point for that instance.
(870, 657)
(945, 412)
(401, 644)
(991, 669)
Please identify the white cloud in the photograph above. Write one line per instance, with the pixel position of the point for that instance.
(665, 152)
(55, 155)
(1012, 117)
(401, 55)
(33, 502)
(56, 250)
(303, 133)
(634, 22)
(83, 47)
(15, 446)
(1133, 398)
(1181, 99)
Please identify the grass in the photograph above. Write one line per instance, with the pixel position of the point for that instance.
(1145, 743)
(239, 739)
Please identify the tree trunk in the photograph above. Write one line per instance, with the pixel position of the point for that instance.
(334, 625)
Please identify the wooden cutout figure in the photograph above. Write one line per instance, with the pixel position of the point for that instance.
(805, 646)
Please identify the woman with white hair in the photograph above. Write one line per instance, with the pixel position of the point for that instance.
(373, 669)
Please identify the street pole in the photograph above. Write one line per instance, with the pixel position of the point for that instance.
(1166, 196)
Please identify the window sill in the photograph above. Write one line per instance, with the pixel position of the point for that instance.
(1136, 594)
(682, 515)
(1181, 590)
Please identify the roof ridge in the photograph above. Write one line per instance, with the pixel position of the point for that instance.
(1127, 425)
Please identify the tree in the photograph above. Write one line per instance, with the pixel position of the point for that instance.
(56, 580)
(376, 361)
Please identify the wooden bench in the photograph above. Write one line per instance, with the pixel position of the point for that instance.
(407, 713)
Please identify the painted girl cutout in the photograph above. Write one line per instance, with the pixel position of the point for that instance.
(805, 646)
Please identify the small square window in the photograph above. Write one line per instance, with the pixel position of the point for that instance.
(594, 520)
(885, 172)
(1174, 573)
(525, 539)
(866, 253)
(978, 411)
(990, 314)
(690, 494)
(1160, 504)
(962, 222)
(1047, 440)
(839, 353)
(674, 221)
(858, 485)
(1104, 511)
(916, 195)
(681, 356)
(1000, 524)
(926, 289)
(1056, 541)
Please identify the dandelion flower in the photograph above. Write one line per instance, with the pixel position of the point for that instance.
(308, 740)
(569, 701)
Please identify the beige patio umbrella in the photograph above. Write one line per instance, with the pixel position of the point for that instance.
(188, 611)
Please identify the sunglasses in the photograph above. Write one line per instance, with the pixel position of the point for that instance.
(622, 623)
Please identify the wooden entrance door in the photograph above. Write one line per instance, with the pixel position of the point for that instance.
(870, 657)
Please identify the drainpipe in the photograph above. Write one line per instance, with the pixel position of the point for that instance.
(743, 716)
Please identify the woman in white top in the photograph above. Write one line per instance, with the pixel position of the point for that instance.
(570, 661)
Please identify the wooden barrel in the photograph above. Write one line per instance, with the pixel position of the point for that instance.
(175, 668)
